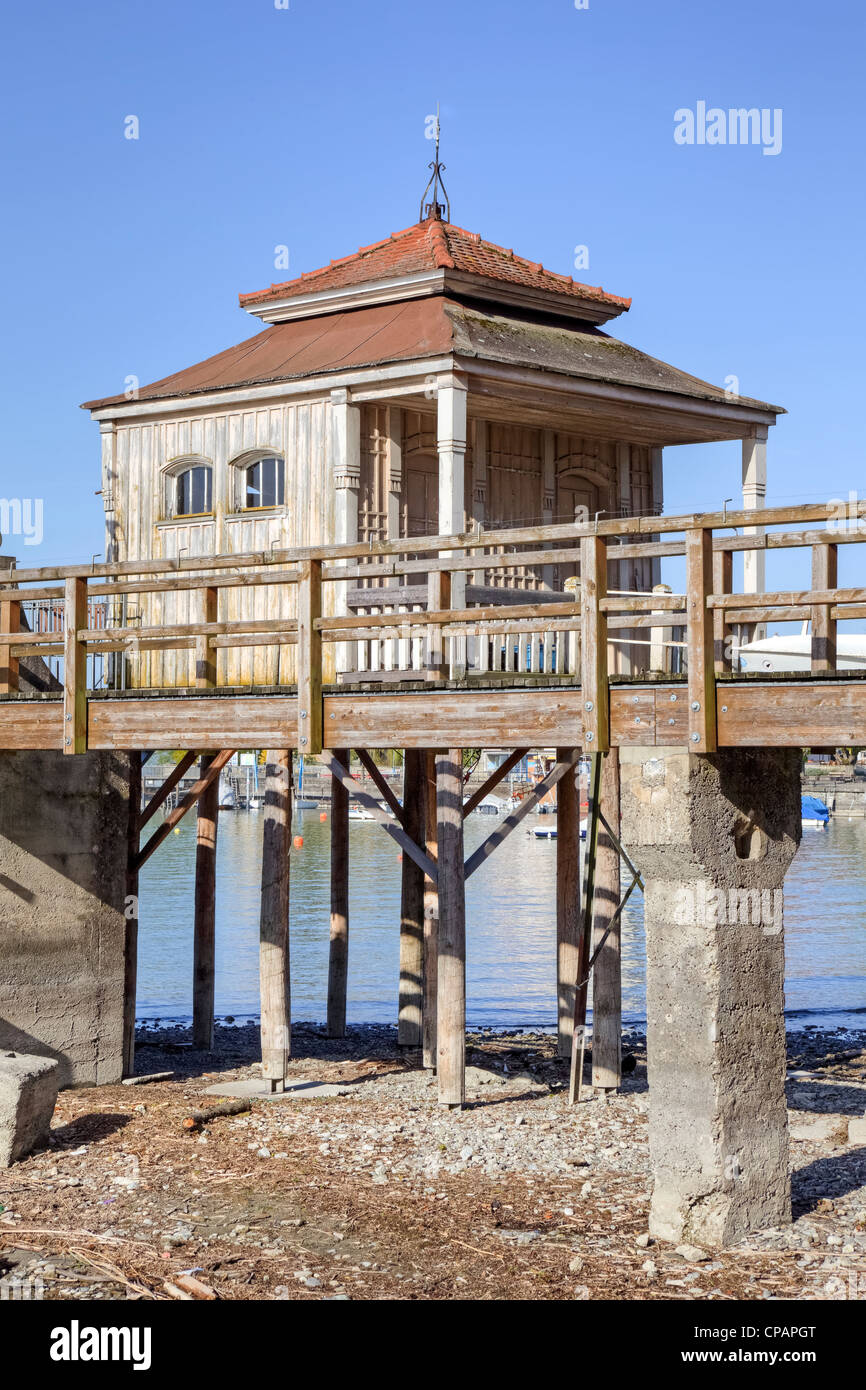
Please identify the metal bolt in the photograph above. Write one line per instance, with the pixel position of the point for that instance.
(69, 718)
(588, 705)
(69, 740)
(332, 716)
(696, 705)
(635, 699)
(672, 721)
(724, 709)
(303, 740)
(637, 719)
(696, 738)
(590, 737)
(303, 714)
(674, 698)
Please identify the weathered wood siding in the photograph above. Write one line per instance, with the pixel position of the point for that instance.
(139, 525)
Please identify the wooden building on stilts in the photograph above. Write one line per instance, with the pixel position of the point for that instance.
(433, 383)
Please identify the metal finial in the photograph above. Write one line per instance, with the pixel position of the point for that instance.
(435, 208)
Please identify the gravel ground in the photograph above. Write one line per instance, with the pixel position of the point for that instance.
(373, 1191)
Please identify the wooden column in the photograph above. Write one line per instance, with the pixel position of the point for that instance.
(274, 982)
(825, 575)
(130, 949)
(431, 913)
(10, 623)
(699, 642)
(567, 899)
(338, 960)
(451, 989)
(204, 944)
(74, 667)
(723, 583)
(411, 1004)
(607, 972)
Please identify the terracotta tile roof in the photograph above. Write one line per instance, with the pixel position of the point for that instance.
(433, 245)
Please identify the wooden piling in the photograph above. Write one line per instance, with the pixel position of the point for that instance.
(275, 989)
(451, 988)
(431, 914)
(204, 945)
(567, 899)
(130, 950)
(338, 959)
(411, 1001)
(607, 971)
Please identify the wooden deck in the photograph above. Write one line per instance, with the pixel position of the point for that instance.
(478, 684)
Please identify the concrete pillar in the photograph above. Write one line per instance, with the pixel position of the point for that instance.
(714, 836)
(63, 866)
(346, 470)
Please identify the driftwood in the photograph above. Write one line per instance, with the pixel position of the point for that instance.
(146, 1080)
(215, 1112)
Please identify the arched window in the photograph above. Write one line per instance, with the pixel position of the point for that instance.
(192, 490)
(265, 483)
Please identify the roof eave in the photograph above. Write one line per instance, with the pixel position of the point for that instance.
(335, 301)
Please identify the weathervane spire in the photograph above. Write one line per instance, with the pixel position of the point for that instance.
(435, 182)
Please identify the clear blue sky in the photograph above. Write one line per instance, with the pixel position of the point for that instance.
(262, 126)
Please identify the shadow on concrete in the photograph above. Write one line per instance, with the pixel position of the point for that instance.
(830, 1177)
(825, 1098)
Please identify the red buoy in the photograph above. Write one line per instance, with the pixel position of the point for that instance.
(298, 842)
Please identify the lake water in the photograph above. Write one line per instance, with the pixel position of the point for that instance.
(510, 927)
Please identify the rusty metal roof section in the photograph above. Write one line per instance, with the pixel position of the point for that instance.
(419, 328)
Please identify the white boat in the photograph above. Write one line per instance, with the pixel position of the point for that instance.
(489, 806)
(227, 800)
(795, 653)
(545, 833)
(255, 802)
(357, 812)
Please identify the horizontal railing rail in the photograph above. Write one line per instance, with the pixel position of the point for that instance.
(359, 609)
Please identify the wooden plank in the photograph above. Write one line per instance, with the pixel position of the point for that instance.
(338, 950)
(180, 721)
(176, 775)
(438, 600)
(789, 598)
(485, 719)
(511, 822)
(431, 913)
(310, 659)
(274, 973)
(451, 979)
(497, 776)
(209, 776)
(205, 657)
(594, 692)
(607, 971)
(633, 714)
(204, 927)
(372, 805)
(567, 897)
(825, 575)
(411, 999)
(699, 639)
(74, 668)
(370, 622)
(381, 782)
(801, 714)
(723, 582)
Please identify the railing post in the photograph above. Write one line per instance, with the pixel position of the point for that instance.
(659, 653)
(723, 583)
(825, 575)
(699, 640)
(310, 659)
(205, 655)
(74, 667)
(438, 597)
(10, 623)
(593, 680)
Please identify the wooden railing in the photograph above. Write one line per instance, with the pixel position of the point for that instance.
(456, 631)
